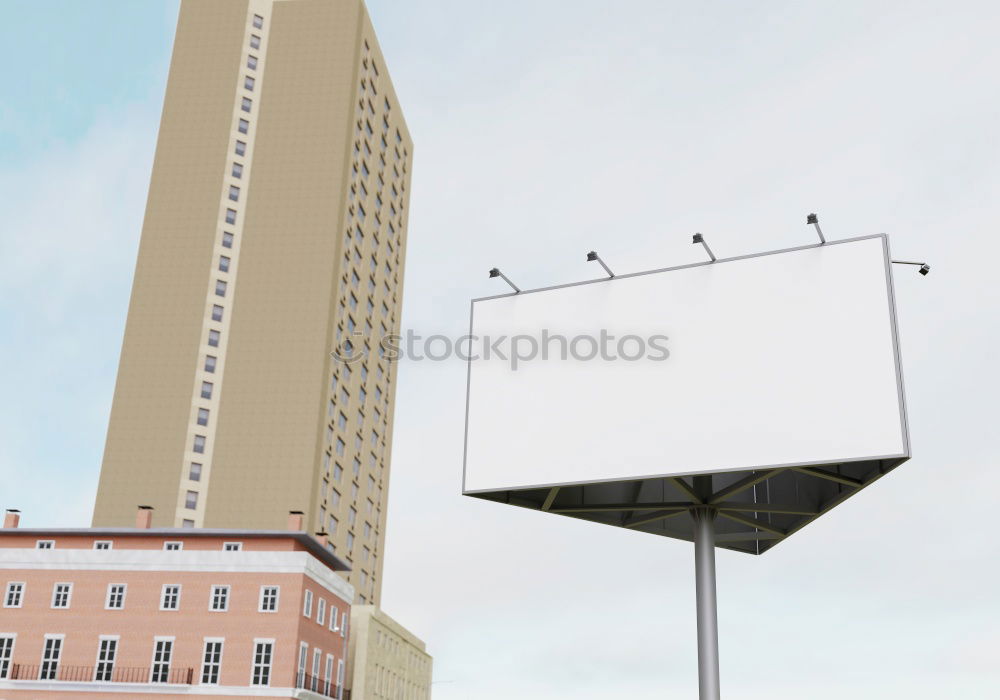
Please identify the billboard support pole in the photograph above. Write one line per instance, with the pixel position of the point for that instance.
(707, 610)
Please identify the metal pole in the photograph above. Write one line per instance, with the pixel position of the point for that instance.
(708, 616)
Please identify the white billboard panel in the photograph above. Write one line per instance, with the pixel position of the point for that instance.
(781, 359)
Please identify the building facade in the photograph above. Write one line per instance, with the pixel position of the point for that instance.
(170, 613)
(385, 661)
(274, 234)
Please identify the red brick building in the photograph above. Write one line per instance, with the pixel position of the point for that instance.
(170, 613)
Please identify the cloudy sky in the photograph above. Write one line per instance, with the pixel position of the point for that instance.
(543, 129)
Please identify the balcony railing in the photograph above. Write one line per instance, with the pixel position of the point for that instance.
(88, 674)
(327, 689)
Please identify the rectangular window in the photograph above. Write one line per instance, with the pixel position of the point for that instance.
(162, 651)
(199, 444)
(6, 653)
(245, 104)
(321, 611)
(230, 216)
(224, 261)
(232, 546)
(213, 338)
(338, 471)
(262, 663)
(333, 618)
(171, 597)
(268, 599)
(248, 82)
(210, 361)
(328, 675)
(341, 446)
(220, 288)
(219, 601)
(107, 650)
(227, 240)
(202, 416)
(116, 597)
(234, 193)
(317, 660)
(241, 146)
(307, 604)
(217, 310)
(258, 21)
(191, 500)
(303, 657)
(187, 523)
(102, 544)
(206, 390)
(254, 41)
(211, 662)
(252, 62)
(244, 127)
(45, 544)
(14, 596)
(173, 546)
(51, 652)
(61, 593)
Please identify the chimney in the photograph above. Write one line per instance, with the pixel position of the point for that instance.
(321, 538)
(296, 520)
(12, 518)
(144, 517)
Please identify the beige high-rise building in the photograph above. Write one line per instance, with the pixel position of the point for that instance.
(384, 659)
(275, 230)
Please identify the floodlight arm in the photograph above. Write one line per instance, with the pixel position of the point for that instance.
(924, 267)
(495, 272)
(698, 238)
(814, 220)
(592, 255)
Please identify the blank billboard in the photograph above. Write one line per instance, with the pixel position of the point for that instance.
(776, 360)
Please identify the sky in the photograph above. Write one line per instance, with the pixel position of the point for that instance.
(543, 130)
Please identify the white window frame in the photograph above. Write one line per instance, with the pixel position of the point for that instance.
(277, 598)
(215, 590)
(340, 678)
(317, 665)
(7, 653)
(170, 658)
(57, 659)
(221, 641)
(300, 676)
(107, 597)
(20, 593)
(163, 596)
(307, 603)
(343, 626)
(113, 657)
(321, 611)
(55, 593)
(169, 546)
(232, 546)
(253, 663)
(45, 544)
(333, 618)
(109, 543)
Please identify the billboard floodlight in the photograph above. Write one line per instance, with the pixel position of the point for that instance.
(495, 272)
(924, 267)
(698, 238)
(592, 256)
(814, 220)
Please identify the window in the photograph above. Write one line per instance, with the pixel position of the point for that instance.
(341, 446)
(234, 193)
(211, 662)
(352, 516)
(258, 21)
(303, 655)
(227, 240)
(237, 170)
(268, 599)
(244, 127)
(248, 82)
(45, 544)
(194, 473)
(342, 421)
(187, 523)
(213, 340)
(116, 597)
(107, 650)
(245, 104)
(254, 41)
(333, 523)
(321, 611)
(6, 652)
(14, 595)
(162, 650)
(230, 217)
(50, 658)
(102, 544)
(232, 546)
(202, 416)
(241, 146)
(338, 471)
(262, 662)
(219, 600)
(206, 390)
(216, 309)
(220, 288)
(350, 540)
(252, 62)
(191, 500)
(333, 619)
(171, 596)
(61, 593)
(307, 604)
(327, 675)
(199, 444)
(343, 624)
(317, 659)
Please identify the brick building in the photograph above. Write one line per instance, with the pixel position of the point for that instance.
(170, 613)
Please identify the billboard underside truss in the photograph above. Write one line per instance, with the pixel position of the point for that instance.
(756, 509)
